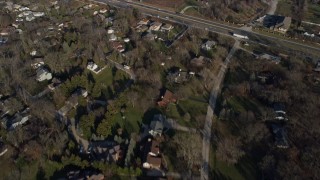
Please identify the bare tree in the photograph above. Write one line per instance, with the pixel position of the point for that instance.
(190, 152)
(229, 150)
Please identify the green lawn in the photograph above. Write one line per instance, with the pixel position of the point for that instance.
(245, 169)
(104, 77)
(241, 104)
(195, 106)
(110, 81)
(132, 121)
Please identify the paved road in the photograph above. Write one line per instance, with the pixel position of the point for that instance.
(212, 104)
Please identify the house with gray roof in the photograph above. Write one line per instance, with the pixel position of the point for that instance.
(156, 125)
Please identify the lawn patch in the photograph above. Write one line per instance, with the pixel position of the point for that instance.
(132, 121)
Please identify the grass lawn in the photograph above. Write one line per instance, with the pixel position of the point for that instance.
(246, 169)
(104, 77)
(110, 80)
(241, 104)
(133, 119)
(195, 106)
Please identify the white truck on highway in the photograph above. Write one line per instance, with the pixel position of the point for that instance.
(240, 36)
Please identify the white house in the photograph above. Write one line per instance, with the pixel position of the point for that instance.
(92, 66)
(37, 63)
(155, 26)
(43, 74)
(126, 40)
(167, 27)
(30, 17)
(112, 37)
(208, 45)
(26, 13)
(102, 11)
(38, 14)
(110, 31)
(144, 22)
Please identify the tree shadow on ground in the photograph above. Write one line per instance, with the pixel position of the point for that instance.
(148, 115)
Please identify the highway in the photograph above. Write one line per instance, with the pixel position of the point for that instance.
(210, 25)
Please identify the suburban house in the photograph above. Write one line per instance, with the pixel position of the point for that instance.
(30, 17)
(72, 101)
(155, 26)
(280, 113)
(43, 74)
(93, 67)
(107, 152)
(150, 37)
(112, 37)
(103, 11)
(198, 61)
(108, 21)
(126, 40)
(3, 148)
(37, 63)
(117, 46)
(54, 83)
(167, 98)
(110, 31)
(20, 118)
(277, 23)
(280, 136)
(145, 22)
(208, 45)
(167, 27)
(38, 14)
(274, 59)
(178, 76)
(152, 159)
(156, 125)
(142, 28)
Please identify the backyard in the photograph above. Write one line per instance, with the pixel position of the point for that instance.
(110, 81)
(196, 107)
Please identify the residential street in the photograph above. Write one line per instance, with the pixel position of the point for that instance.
(212, 104)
